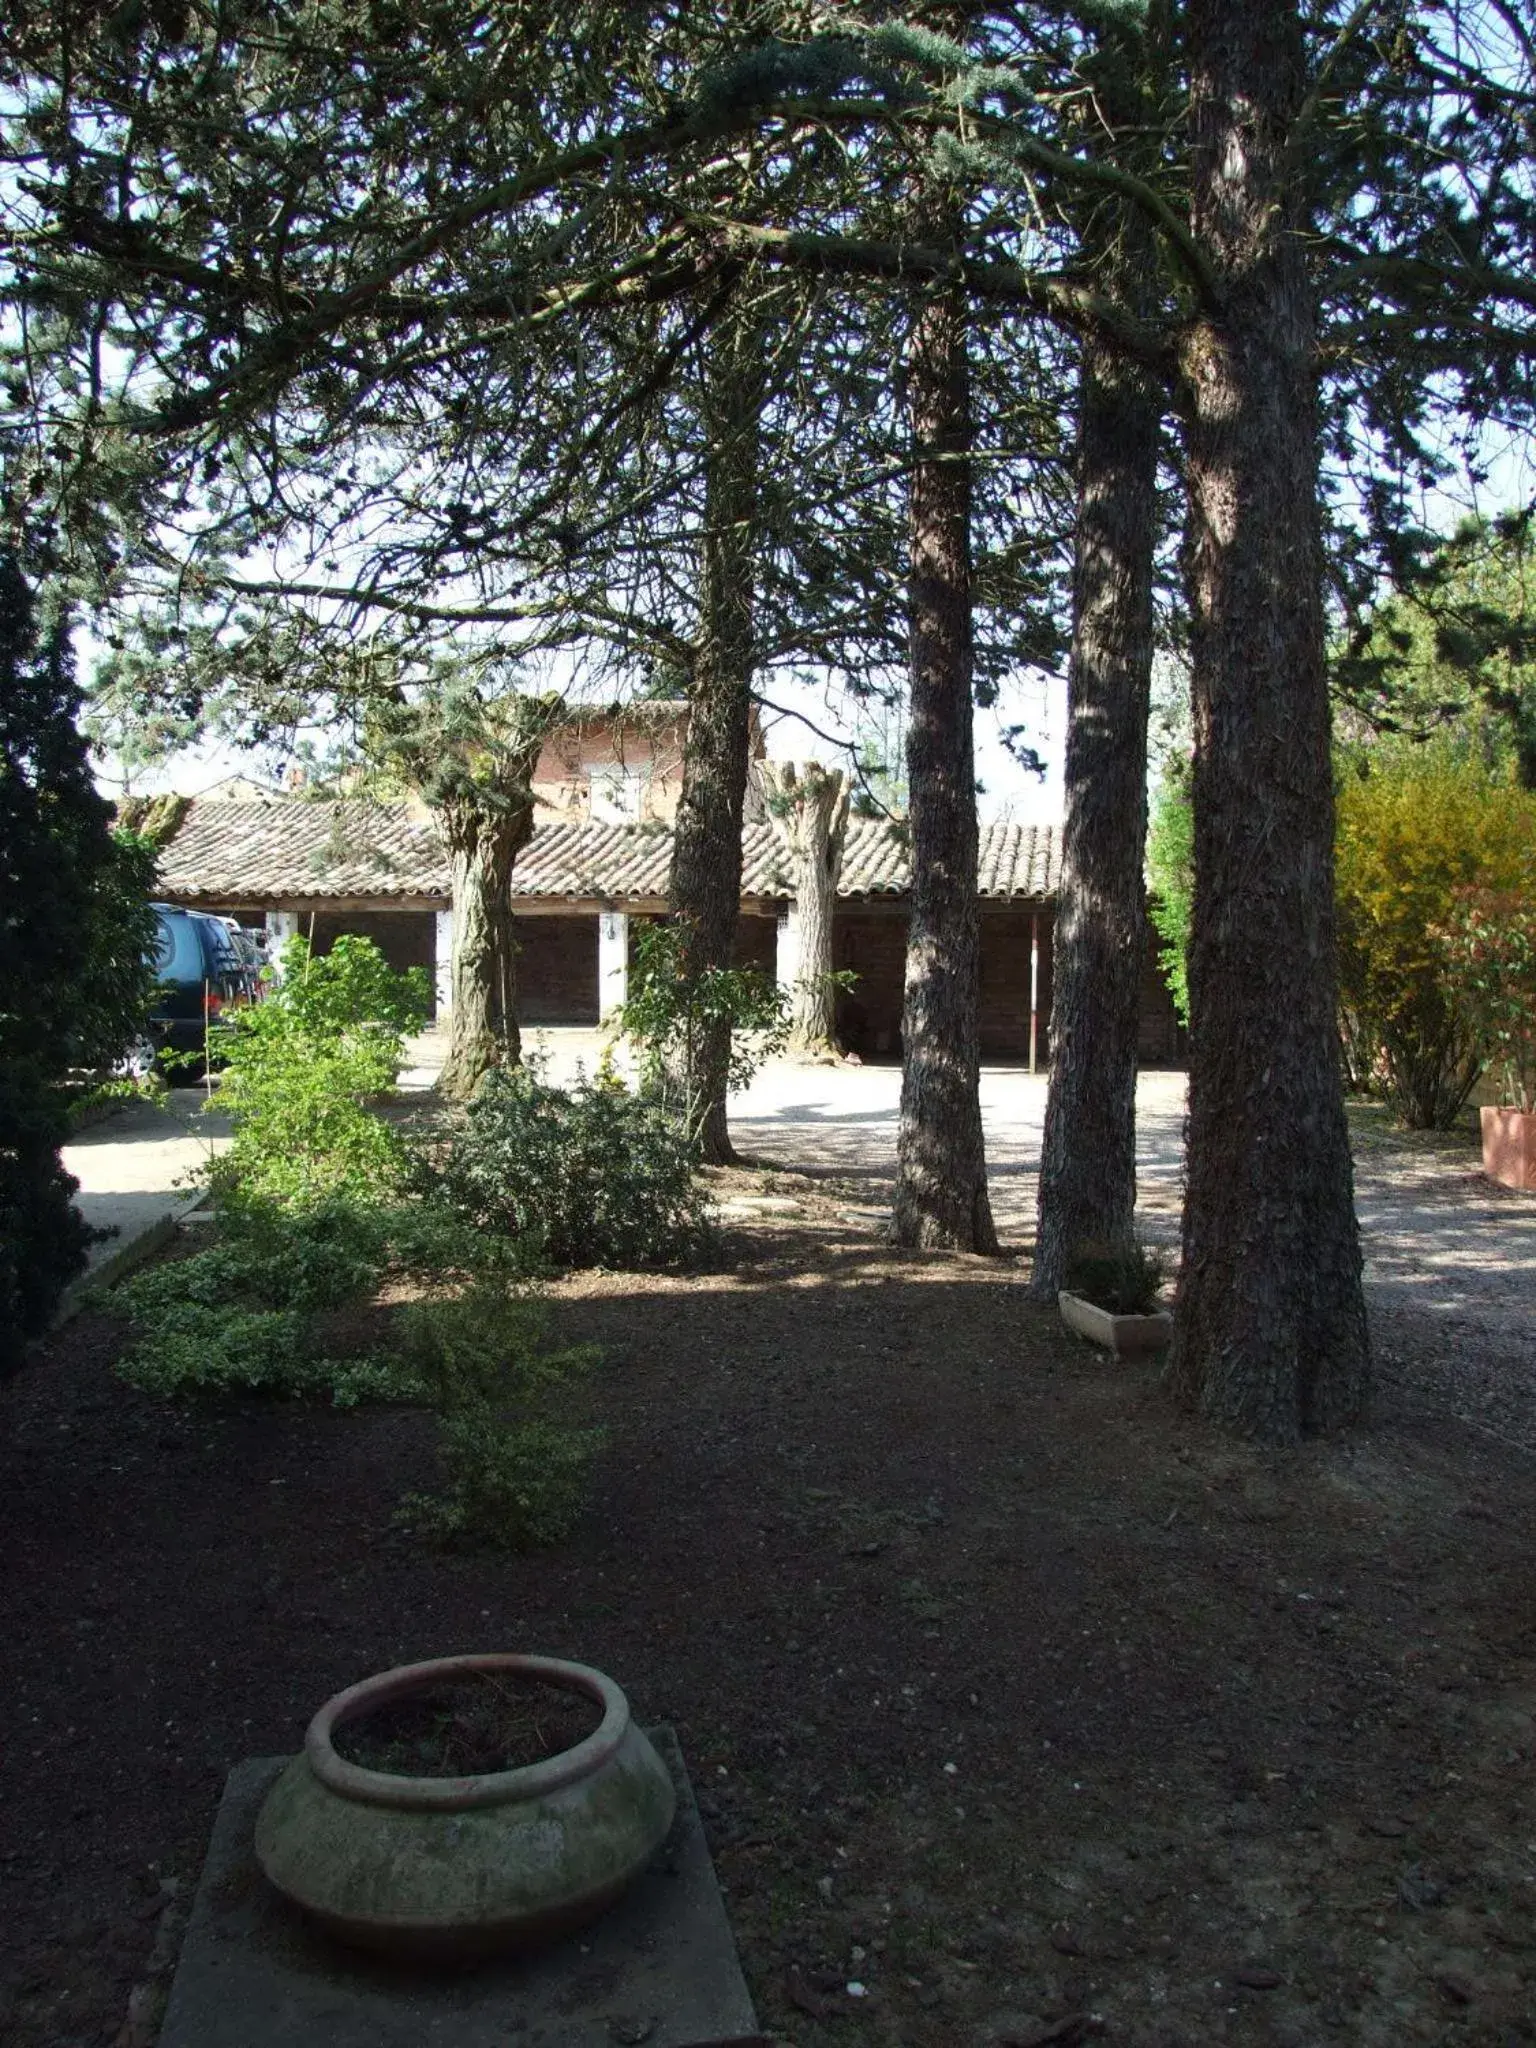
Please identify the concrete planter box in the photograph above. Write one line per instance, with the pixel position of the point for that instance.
(1509, 1146)
(1125, 1336)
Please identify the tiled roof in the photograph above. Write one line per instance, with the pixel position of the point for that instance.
(236, 851)
(614, 862)
(292, 846)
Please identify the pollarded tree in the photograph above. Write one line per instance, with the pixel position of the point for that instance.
(469, 746)
(808, 809)
(462, 733)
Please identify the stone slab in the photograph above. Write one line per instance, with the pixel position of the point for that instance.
(658, 1970)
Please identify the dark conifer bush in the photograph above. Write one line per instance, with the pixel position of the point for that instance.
(74, 934)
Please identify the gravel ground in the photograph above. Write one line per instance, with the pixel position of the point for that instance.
(1450, 1256)
(1450, 1277)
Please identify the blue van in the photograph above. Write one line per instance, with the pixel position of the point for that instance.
(204, 968)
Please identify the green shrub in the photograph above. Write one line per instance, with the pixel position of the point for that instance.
(319, 1258)
(1414, 828)
(513, 1475)
(1124, 1279)
(303, 1069)
(241, 1314)
(1171, 879)
(687, 1023)
(1489, 943)
(586, 1176)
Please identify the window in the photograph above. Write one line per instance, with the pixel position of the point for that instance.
(614, 795)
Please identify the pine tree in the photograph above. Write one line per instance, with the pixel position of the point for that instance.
(57, 858)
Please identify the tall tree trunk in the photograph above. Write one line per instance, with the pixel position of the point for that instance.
(483, 844)
(1088, 1158)
(1270, 1335)
(706, 846)
(809, 810)
(941, 1187)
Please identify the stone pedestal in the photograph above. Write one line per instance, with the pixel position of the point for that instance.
(659, 1968)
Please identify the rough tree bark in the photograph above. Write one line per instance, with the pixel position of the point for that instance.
(1087, 1190)
(706, 846)
(809, 811)
(941, 1187)
(486, 828)
(1270, 1332)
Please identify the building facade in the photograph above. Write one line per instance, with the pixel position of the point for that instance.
(581, 886)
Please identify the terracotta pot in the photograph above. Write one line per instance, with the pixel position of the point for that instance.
(1126, 1336)
(436, 1869)
(1509, 1146)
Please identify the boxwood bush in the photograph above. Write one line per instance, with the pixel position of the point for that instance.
(586, 1176)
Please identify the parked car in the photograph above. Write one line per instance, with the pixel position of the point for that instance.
(205, 967)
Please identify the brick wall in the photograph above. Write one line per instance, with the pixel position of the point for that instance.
(757, 944)
(873, 945)
(1005, 971)
(1161, 1040)
(556, 970)
(406, 938)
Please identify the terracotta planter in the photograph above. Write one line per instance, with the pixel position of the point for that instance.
(1509, 1146)
(435, 1869)
(1126, 1336)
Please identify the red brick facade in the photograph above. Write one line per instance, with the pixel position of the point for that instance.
(556, 969)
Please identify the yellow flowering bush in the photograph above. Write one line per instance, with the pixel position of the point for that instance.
(1414, 830)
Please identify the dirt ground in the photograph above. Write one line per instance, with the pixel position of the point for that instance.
(1022, 1710)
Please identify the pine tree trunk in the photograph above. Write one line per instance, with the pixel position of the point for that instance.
(1088, 1158)
(941, 1189)
(706, 846)
(810, 817)
(483, 845)
(1270, 1336)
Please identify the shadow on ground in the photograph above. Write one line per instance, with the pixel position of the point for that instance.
(1014, 1697)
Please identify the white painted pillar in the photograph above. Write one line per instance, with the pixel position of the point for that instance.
(786, 958)
(612, 961)
(1034, 987)
(442, 961)
(282, 925)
